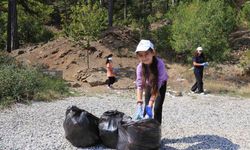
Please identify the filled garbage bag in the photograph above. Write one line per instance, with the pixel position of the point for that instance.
(139, 135)
(108, 127)
(81, 127)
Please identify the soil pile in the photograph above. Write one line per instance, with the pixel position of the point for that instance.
(71, 59)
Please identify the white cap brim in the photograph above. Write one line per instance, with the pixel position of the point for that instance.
(199, 48)
(144, 45)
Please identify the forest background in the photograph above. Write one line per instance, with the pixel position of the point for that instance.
(176, 26)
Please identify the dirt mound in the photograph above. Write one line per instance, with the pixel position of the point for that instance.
(68, 57)
(70, 60)
(120, 40)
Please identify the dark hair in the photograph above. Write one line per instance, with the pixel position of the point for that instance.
(153, 75)
(196, 54)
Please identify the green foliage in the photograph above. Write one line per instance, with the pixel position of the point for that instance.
(21, 84)
(161, 38)
(87, 22)
(32, 31)
(205, 24)
(61, 12)
(3, 24)
(244, 15)
(31, 22)
(245, 62)
(17, 83)
(5, 59)
(140, 12)
(31, 26)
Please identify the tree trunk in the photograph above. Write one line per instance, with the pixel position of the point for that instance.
(110, 13)
(101, 2)
(88, 58)
(125, 10)
(88, 46)
(173, 2)
(167, 5)
(12, 40)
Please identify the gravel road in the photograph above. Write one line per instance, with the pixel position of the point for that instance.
(190, 122)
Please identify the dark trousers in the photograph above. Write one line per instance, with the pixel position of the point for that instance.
(111, 80)
(158, 101)
(199, 83)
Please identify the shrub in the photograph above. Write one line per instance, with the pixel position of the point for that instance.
(20, 83)
(87, 22)
(5, 59)
(244, 15)
(205, 24)
(3, 33)
(25, 84)
(245, 62)
(17, 83)
(161, 38)
(32, 31)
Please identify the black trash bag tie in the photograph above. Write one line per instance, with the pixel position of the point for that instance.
(108, 127)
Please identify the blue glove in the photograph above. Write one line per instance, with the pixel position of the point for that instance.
(139, 112)
(205, 64)
(149, 111)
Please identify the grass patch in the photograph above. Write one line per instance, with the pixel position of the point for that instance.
(245, 91)
(218, 87)
(216, 80)
(224, 87)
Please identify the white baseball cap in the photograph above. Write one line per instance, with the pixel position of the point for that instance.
(199, 48)
(144, 45)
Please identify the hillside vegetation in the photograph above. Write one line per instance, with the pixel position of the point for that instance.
(21, 83)
(66, 35)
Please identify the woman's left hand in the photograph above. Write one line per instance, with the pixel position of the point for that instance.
(149, 111)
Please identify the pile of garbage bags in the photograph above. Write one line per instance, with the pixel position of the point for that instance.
(113, 129)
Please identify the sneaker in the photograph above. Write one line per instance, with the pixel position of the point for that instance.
(110, 87)
(192, 92)
(201, 93)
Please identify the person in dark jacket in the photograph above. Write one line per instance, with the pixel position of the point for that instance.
(198, 63)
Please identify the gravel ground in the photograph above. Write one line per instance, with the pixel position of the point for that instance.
(190, 122)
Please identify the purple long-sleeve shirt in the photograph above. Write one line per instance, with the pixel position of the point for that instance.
(162, 74)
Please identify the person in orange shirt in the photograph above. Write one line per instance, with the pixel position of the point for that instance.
(110, 73)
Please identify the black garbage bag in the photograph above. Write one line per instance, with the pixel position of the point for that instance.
(108, 127)
(81, 127)
(140, 135)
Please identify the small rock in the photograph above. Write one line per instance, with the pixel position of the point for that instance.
(21, 52)
(75, 85)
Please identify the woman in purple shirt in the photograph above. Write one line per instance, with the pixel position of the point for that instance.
(151, 77)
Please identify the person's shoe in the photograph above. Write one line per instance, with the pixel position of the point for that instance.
(192, 92)
(201, 93)
(110, 87)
